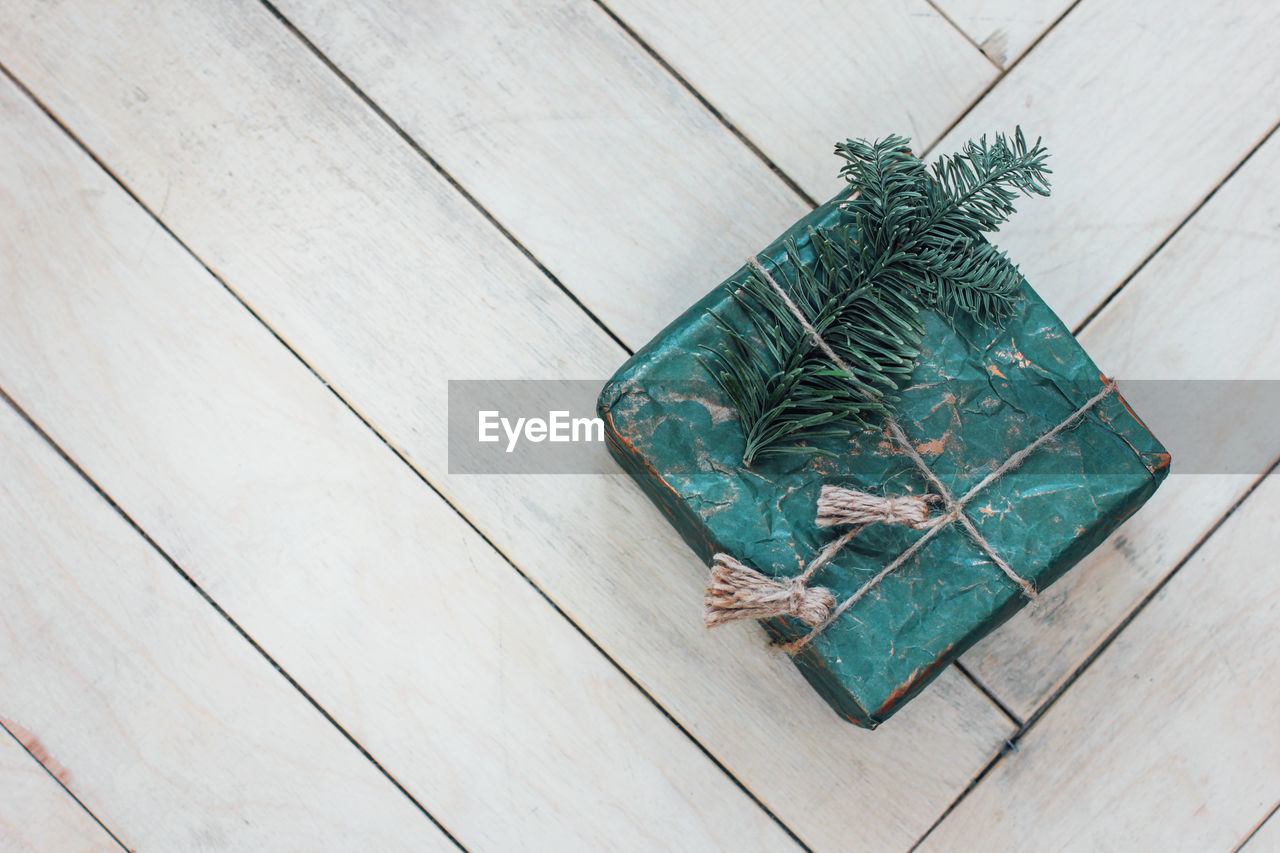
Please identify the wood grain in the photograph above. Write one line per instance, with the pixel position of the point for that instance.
(1206, 307)
(366, 262)
(799, 77)
(1169, 741)
(1168, 98)
(36, 814)
(361, 582)
(594, 157)
(1003, 29)
(147, 704)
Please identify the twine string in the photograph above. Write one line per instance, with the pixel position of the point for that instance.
(752, 594)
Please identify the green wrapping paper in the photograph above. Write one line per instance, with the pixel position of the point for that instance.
(978, 395)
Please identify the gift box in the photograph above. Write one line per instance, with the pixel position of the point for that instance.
(978, 396)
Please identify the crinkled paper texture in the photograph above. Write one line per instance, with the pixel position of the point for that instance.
(977, 396)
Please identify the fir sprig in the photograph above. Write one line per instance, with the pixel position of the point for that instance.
(787, 390)
(911, 239)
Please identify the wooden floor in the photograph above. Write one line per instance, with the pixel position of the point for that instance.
(246, 606)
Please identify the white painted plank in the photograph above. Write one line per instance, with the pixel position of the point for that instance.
(363, 584)
(1145, 106)
(1003, 29)
(592, 154)
(796, 78)
(36, 814)
(1206, 307)
(1169, 741)
(146, 703)
(373, 269)
(518, 123)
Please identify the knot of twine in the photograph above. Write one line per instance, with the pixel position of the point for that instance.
(837, 506)
(737, 591)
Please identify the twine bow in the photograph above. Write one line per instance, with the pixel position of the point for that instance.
(737, 591)
(838, 506)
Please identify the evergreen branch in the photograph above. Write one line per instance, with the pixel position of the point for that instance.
(785, 389)
(978, 178)
(913, 239)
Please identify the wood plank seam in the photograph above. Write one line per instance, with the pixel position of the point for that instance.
(640, 20)
(986, 691)
(1098, 309)
(54, 776)
(1004, 72)
(440, 170)
(93, 484)
(399, 454)
(706, 103)
(1012, 744)
(1031, 46)
(1009, 746)
(1257, 829)
(970, 39)
(755, 149)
